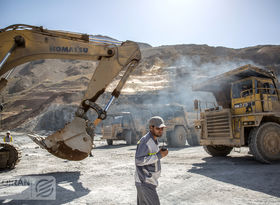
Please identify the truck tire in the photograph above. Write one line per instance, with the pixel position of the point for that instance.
(192, 138)
(127, 135)
(135, 138)
(178, 137)
(217, 150)
(109, 141)
(264, 142)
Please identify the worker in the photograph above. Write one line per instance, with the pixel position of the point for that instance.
(8, 137)
(147, 160)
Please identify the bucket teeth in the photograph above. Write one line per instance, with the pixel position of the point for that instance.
(72, 142)
(38, 140)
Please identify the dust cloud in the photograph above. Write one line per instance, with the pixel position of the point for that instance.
(187, 71)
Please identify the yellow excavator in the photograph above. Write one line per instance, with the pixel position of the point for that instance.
(23, 43)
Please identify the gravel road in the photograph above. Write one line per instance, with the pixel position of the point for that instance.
(189, 176)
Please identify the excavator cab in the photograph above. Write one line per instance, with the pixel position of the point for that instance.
(24, 43)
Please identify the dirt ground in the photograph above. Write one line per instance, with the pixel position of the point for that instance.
(189, 176)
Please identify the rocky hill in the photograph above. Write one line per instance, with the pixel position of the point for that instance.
(42, 93)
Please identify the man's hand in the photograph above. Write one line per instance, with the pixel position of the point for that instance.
(164, 153)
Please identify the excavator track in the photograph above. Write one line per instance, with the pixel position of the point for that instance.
(11, 157)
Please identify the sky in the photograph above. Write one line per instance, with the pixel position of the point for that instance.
(228, 23)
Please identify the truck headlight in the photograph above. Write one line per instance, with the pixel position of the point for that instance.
(238, 105)
(249, 123)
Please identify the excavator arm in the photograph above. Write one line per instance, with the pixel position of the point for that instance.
(23, 43)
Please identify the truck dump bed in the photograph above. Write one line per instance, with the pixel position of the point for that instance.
(225, 79)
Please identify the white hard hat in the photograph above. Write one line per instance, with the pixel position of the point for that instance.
(8, 132)
(157, 121)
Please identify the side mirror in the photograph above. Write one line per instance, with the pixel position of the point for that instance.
(195, 103)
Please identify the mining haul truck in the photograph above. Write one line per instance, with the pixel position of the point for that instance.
(178, 130)
(120, 126)
(131, 126)
(247, 115)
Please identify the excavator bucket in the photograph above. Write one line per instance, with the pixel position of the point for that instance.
(72, 142)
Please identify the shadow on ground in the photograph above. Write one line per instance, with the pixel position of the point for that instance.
(244, 172)
(112, 146)
(133, 147)
(63, 195)
(170, 148)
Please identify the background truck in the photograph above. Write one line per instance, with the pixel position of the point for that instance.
(120, 126)
(248, 113)
(178, 130)
(131, 127)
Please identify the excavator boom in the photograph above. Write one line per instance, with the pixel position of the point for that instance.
(23, 43)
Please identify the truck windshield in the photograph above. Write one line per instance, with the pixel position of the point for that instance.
(117, 120)
(108, 120)
(242, 89)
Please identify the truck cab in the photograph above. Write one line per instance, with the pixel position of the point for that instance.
(253, 94)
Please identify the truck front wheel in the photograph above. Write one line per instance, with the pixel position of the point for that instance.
(109, 142)
(264, 142)
(217, 150)
(179, 137)
(192, 138)
(127, 135)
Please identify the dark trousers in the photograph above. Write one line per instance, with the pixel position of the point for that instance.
(147, 195)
